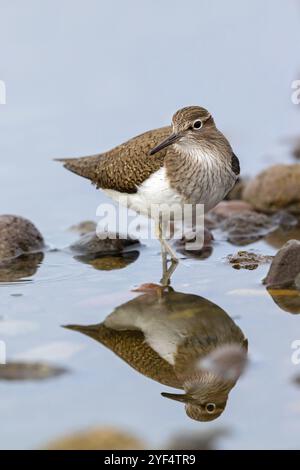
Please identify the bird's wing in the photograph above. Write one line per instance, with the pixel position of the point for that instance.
(125, 167)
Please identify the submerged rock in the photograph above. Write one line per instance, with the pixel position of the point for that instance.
(285, 268)
(84, 227)
(13, 371)
(18, 236)
(248, 260)
(247, 227)
(92, 244)
(100, 438)
(274, 189)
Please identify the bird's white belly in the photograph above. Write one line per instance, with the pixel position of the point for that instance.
(155, 191)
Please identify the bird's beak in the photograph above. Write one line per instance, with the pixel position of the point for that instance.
(183, 397)
(165, 143)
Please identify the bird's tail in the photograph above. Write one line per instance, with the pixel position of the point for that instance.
(84, 166)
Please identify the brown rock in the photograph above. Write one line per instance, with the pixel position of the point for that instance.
(102, 438)
(237, 191)
(285, 268)
(18, 236)
(227, 208)
(91, 244)
(276, 188)
(248, 260)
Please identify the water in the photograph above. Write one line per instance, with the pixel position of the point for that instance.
(81, 78)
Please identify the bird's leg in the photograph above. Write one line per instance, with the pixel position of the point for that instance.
(165, 249)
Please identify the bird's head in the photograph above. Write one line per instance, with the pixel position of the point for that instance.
(205, 396)
(190, 125)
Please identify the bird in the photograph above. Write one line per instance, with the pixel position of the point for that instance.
(187, 162)
(166, 336)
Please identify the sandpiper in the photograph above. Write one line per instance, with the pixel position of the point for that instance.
(190, 162)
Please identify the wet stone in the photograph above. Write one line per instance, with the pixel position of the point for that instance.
(18, 236)
(91, 244)
(276, 188)
(285, 268)
(21, 371)
(84, 227)
(247, 227)
(248, 260)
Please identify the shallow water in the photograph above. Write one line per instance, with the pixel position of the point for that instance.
(75, 87)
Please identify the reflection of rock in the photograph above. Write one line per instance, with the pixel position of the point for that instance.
(248, 260)
(110, 262)
(195, 245)
(28, 371)
(102, 438)
(23, 267)
(205, 440)
(247, 227)
(164, 334)
(91, 244)
(274, 189)
(18, 236)
(282, 235)
(84, 227)
(285, 268)
(286, 299)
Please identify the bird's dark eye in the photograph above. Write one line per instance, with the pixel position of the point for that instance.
(210, 408)
(197, 124)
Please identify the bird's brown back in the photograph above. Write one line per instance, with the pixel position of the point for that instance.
(126, 166)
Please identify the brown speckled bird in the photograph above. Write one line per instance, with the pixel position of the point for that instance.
(190, 162)
(166, 336)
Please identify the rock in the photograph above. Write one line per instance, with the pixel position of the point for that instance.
(100, 438)
(109, 262)
(228, 208)
(237, 191)
(285, 268)
(23, 267)
(248, 260)
(199, 248)
(18, 236)
(296, 150)
(282, 235)
(91, 244)
(247, 227)
(84, 227)
(276, 188)
(14, 371)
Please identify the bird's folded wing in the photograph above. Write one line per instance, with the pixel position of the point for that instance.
(125, 167)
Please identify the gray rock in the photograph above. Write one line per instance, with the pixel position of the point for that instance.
(247, 227)
(91, 244)
(276, 188)
(18, 236)
(87, 226)
(285, 268)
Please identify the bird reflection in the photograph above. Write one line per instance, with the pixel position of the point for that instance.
(180, 340)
